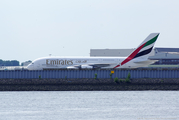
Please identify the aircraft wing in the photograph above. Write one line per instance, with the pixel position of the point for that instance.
(99, 65)
(95, 65)
(91, 65)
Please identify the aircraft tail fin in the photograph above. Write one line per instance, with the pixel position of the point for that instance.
(145, 47)
(143, 50)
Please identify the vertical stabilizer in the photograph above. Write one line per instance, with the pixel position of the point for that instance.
(143, 50)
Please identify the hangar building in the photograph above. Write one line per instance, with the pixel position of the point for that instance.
(166, 56)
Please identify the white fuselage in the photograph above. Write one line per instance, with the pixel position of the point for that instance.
(83, 63)
(138, 58)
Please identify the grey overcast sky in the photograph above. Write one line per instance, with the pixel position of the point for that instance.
(30, 29)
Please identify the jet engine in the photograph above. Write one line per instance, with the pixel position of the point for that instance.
(72, 67)
(86, 67)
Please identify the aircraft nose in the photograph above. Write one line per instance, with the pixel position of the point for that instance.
(30, 67)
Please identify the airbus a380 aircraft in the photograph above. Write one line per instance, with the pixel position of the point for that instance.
(138, 58)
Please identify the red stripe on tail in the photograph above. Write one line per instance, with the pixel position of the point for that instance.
(131, 56)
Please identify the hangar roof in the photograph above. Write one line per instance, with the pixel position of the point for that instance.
(167, 49)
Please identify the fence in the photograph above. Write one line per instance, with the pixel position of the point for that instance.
(25, 74)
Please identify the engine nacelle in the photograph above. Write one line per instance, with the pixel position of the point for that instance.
(72, 67)
(86, 67)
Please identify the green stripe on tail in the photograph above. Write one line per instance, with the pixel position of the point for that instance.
(151, 41)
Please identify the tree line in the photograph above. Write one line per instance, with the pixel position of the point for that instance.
(9, 62)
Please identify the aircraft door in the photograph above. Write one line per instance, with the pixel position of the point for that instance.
(38, 65)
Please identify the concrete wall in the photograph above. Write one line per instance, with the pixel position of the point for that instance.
(138, 73)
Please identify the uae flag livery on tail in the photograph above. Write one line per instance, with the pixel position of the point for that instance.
(143, 50)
